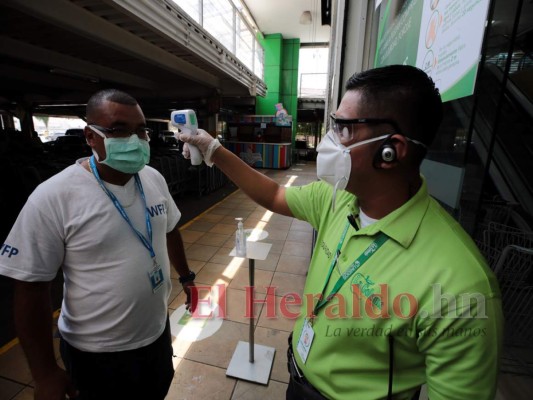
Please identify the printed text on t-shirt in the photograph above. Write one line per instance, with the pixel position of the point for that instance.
(158, 209)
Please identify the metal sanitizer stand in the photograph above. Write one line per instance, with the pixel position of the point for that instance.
(252, 362)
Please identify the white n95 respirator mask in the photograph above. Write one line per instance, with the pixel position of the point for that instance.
(334, 163)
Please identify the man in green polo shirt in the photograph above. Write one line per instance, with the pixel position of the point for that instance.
(400, 294)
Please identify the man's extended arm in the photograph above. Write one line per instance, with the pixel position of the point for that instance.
(33, 321)
(259, 187)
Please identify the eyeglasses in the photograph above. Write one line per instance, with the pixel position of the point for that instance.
(344, 129)
(142, 133)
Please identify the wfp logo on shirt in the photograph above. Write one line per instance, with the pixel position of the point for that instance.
(158, 209)
(8, 251)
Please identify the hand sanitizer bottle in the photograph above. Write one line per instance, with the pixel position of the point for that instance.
(240, 239)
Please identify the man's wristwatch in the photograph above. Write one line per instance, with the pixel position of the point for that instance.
(189, 278)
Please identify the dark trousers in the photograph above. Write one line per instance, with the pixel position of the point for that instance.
(144, 373)
(299, 388)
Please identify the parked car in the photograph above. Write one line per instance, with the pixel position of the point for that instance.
(51, 137)
(69, 145)
(75, 132)
(168, 137)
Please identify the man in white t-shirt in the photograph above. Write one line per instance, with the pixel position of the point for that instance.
(110, 223)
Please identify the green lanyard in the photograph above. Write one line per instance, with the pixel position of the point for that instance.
(369, 252)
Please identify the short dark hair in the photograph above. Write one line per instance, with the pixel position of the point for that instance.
(410, 95)
(114, 95)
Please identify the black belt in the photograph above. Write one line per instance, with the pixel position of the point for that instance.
(299, 385)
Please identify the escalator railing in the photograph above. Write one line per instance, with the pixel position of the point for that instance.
(512, 158)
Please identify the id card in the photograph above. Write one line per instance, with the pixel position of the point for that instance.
(305, 340)
(156, 278)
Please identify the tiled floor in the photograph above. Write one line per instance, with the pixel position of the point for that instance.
(201, 365)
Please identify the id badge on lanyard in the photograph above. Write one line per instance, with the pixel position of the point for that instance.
(156, 277)
(305, 340)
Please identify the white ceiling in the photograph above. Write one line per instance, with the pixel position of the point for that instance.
(283, 16)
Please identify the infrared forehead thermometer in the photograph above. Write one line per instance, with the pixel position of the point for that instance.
(186, 122)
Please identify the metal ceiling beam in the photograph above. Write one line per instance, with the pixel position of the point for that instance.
(41, 79)
(76, 19)
(28, 52)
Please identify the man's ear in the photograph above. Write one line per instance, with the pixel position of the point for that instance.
(89, 136)
(391, 152)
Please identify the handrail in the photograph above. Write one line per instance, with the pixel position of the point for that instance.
(515, 91)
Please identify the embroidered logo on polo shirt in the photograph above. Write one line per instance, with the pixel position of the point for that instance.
(366, 287)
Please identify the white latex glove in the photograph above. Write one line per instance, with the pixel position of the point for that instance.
(205, 143)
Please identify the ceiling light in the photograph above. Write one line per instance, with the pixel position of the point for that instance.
(306, 18)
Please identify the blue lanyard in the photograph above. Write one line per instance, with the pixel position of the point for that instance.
(146, 242)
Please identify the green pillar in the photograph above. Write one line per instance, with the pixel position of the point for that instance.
(272, 45)
(281, 77)
(289, 80)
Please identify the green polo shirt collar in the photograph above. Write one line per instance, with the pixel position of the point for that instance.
(402, 224)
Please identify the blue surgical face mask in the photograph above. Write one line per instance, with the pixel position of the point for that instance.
(128, 155)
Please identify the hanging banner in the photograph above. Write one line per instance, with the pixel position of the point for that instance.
(441, 37)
